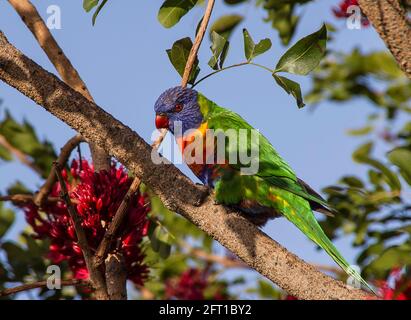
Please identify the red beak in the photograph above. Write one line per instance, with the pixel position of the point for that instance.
(162, 122)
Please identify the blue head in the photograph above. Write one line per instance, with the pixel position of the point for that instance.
(178, 104)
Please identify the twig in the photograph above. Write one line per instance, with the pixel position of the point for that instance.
(121, 213)
(66, 70)
(52, 178)
(41, 284)
(26, 198)
(20, 155)
(197, 42)
(95, 275)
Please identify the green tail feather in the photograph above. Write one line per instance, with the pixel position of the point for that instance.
(305, 220)
(328, 246)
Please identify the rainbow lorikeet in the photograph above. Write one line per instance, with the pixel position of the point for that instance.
(273, 190)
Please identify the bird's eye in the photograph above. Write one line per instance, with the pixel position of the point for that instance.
(178, 107)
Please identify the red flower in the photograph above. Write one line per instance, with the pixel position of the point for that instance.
(191, 285)
(97, 197)
(401, 290)
(342, 11)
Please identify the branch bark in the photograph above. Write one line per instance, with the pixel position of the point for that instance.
(23, 198)
(96, 276)
(30, 16)
(176, 191)
(197, 42)
(40, 284)
(391, 21)
(64, 155)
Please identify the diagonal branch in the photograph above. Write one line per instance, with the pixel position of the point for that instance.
(30, 16)
(65, 152)
(176, 191)
(197, 42)
(118, 218)
(95, 275)
(23, 198)
(391, 21)
(40, 284)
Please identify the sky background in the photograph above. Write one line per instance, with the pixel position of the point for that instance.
(124, 64)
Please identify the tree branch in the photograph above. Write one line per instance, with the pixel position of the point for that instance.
(391, 21)
(176, 191)
(118, 218)
(30, 16)
(22, 198)
(65, 152)
(197, 42)
(40, 284)
(96, 277)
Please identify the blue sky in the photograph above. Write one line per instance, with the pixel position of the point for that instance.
(123, 62)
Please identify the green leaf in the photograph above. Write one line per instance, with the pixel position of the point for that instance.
(178, 56)
(24, 138)
(251, 50)
(6, 220)
(164, 250)
(225, 25)
(219, 48)
(98, 11)
(360, 131)
(305, 55)
(18, 258)
(172, 11)
(290, 87)
(362, 155)
(89, 4)
(401, 157)
(392, 257)
(5, 154)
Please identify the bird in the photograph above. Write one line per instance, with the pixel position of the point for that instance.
(272, 191)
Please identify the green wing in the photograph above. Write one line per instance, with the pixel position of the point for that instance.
(275, 185)
(272, 168)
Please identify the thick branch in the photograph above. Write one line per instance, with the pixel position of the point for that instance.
(96, 277)
(66, 70)
(176, 191)
(65, 152)
(40, 284)
(392, 23)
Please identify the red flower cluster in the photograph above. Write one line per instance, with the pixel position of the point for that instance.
(96, 197)
(191, 285)
(401, 290)
(341, 11)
